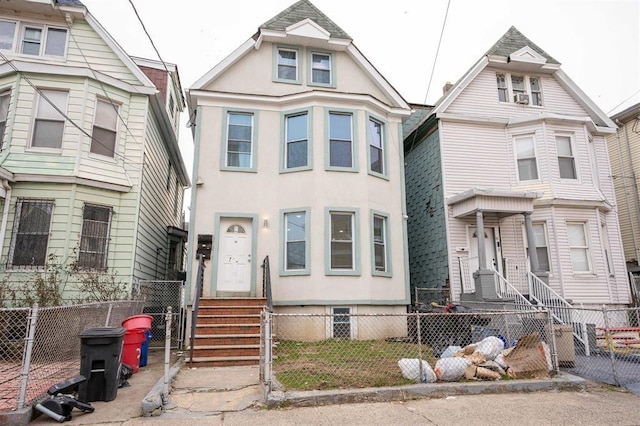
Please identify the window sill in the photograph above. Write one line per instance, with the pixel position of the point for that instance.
(305, 272)
(238, 169)
(382, 274)
(341, 169)
(99, 157)
(296, 169)
(338, 272)
(43, 150)
(326, 86)
(378, 175)
(294, 82)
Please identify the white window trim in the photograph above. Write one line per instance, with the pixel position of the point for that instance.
(16, 226)
(43, 41)
(3, 139)
(116, 144)
(353, 320)
(16, 32)
(107, 239)
(585, 230)
(535, 151)
(37, 99)
(527, 86)
(572, 145)
(546, 237)
(385, 162)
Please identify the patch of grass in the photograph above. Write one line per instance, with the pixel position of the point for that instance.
(337, 364)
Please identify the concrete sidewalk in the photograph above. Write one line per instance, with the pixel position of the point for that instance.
(232, 396)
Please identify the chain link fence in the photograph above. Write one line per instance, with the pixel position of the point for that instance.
(429, 295)
(40, 346)
(157, 296)
(342, 350)
(354, 351)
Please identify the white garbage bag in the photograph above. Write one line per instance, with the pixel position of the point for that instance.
(450, 351)
(490, 347)
(450, 369)
(410, 368)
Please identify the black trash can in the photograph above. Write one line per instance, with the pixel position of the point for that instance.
(100, 353)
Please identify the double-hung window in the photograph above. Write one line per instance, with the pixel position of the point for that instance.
(48, 41)
(526, 158)
(341, 140)
(296, 141)
(376, 147)
(321, 69)
(48, 128)
(239, 146)
(578, 246)
(542, 247)
(94, 240)
(7, 35)
(380, 244)
(296, 244)
(342, 242)
(103, 139)
(287, 64)
(4, 112)
(520, 89)
(31, 232)
(566, 160)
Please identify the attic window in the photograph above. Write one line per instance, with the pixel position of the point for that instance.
(519, 89)
(287, 64)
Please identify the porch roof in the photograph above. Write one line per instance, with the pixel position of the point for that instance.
(503, 202)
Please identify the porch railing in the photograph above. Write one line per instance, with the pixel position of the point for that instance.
(505, 290)
(466, 274)
(517, 272)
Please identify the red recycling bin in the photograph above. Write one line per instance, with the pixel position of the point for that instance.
(131, 348)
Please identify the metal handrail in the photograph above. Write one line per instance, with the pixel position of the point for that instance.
(196, 304)
(504, 289)
(266, 283)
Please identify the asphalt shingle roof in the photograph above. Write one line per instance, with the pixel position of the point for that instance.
(300, 11)
(512, 41)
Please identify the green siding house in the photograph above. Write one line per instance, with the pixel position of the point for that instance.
(91, 177)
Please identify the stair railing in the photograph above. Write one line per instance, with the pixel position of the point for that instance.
(266, 283)
(506, 290)
(196, 304)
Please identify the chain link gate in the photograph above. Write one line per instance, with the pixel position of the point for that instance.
(157, 296)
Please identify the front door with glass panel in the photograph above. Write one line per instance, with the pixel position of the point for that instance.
(234, 256)
(491, 249)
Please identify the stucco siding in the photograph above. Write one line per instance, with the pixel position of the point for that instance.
(253, 74)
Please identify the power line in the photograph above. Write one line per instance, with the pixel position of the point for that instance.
(58, 110)
(612, 109)
(144, 28)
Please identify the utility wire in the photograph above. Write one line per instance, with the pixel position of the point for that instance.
(62, 113)
(612, 109)
(435, 60)
(148, 36)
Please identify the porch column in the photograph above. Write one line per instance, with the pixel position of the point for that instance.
(482, 255)
(531, 240)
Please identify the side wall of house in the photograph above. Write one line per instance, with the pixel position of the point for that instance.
(427, 234)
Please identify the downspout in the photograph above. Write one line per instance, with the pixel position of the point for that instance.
(5, 213)
(634, 187)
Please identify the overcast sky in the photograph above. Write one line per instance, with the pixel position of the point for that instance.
(597, 42)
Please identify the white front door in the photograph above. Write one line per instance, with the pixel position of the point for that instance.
(491, 249)
(234, 256)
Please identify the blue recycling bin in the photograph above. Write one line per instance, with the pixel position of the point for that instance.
(144, 348)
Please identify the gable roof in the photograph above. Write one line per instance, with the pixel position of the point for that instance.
(300, 11)
(69, 2)
(512, 41)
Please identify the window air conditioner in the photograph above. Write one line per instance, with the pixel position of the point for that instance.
(521, 98)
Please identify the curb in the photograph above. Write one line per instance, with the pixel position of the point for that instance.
(562, 381)
(153, 403)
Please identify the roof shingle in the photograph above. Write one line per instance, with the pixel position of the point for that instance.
(512, 41)
(300, 11)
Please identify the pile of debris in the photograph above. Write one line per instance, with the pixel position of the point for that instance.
(485, 360)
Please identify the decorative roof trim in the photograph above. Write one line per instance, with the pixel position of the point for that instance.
(528, 55)
(301, 29)
(491, 192)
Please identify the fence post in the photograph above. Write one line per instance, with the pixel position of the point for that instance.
(268, 351)
(418, 332)
(611, 344)
(554, 343)
(167, 355)
(106, 323)
(26, 359)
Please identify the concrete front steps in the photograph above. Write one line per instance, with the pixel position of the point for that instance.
(227, 332)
